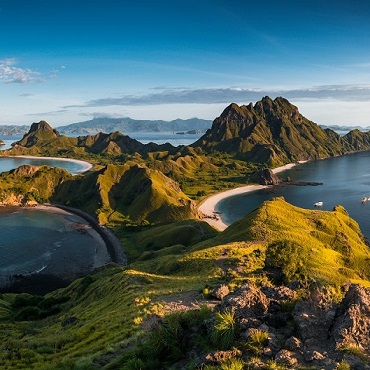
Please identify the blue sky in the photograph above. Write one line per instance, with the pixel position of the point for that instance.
(69, 61)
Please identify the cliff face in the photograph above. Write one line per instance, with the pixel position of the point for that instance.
(274, 132)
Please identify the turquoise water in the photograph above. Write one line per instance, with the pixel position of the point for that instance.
(35, 242)
(9, 163)
(346, 180)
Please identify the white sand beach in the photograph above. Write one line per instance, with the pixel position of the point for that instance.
(208, 206)
(85, 165)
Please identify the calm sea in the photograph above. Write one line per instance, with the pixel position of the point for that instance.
(346, 180)
(35, 242)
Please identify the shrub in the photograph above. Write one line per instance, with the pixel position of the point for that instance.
(290, 257)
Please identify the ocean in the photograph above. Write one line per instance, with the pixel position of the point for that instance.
(346, 180)
(47, 243)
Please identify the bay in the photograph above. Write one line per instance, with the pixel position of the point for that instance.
(47, 243)
(346, 180)
(10, 163)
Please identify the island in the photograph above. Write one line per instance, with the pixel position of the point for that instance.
(282, 287)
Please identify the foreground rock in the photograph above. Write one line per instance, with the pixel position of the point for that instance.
(315, 332)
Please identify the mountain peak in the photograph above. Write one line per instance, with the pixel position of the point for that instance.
(41, 126)
(232, 110)
(271, 131)
(38, 131)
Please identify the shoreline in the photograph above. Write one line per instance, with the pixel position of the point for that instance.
(86, 166)
(42, 282)
(113, 244)
(208, 206)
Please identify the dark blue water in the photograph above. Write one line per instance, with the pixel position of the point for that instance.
(36, 242)
(346, 180)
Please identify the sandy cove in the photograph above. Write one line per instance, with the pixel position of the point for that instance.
(85, 165)
(208, 206)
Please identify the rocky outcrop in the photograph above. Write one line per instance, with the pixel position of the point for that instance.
(17, 200)
(264, 177)
(2, 143)
(316, 332)
(352, 323)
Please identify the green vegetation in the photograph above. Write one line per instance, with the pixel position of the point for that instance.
(257, 341)
(103, 319)
(224, 329)
(158, 312)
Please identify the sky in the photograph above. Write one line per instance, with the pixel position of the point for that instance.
(69, 61)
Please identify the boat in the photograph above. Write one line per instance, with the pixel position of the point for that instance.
(318, 204)
(364, 200)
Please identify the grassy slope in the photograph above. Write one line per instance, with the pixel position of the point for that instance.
(326, 247)
(117, 193)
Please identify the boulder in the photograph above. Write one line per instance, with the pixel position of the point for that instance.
(352, 324)
(247, 302)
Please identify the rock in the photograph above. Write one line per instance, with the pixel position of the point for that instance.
(312, 323)
(310, 356)
(267, 351)
(278, 319)
(217, 357)
(293, 344)
(265, 177)
(352, 324)
(286, 357)
(220, 292)
(248, 302)
(280, 293)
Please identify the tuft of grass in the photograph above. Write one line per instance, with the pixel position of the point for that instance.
(257, 341)
(343, 365)
(224, 329)
(273, 365)
(356, 351)
(232, 364)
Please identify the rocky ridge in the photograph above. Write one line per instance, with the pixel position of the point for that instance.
(274, 132)
(315, 331)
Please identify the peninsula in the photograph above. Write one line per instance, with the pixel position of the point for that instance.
(284, 287)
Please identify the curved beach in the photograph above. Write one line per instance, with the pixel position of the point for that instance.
(59, 266)
(85, 165)
(208, 206)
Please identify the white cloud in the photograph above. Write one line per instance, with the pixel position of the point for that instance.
(10, 73)
(353, 93)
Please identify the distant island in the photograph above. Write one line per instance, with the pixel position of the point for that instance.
(125, 124)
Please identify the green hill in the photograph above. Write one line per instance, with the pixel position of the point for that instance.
(109, 319)
(31, 183)
(274, 132)
(42, 139)
(126, 194)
